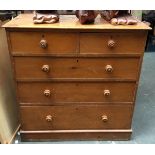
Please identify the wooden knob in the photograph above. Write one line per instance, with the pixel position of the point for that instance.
(47, 93)
(108, 68)
(45, 68)
(111, 43)
(104, 118)
(43, 43)
(106, 92)
(48, 118)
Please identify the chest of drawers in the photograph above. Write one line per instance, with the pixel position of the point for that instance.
(75, 81)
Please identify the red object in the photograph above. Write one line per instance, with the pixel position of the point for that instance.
(86, 16)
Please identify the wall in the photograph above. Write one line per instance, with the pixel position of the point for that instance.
(8, 106)
(137, 14)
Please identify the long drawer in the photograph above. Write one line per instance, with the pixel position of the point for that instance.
(52, 92)
(49, 67)
(75, 117)
(112, 43)
(73, 42)
(43, 42)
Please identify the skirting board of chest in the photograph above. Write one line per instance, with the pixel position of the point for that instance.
(73, 81)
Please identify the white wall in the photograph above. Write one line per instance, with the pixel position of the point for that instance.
(8, 107)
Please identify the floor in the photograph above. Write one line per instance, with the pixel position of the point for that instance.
(144, 115)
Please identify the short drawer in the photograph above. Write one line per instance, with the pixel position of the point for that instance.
(48, 67)
(43, 42)
(112, 43)
(75, 117)
(55, 92)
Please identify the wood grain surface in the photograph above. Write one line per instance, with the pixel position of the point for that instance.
(76, 81)
(70, 22)
(75, 117)
(31, 67)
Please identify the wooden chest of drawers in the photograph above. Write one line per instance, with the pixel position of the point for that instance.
(75, 81)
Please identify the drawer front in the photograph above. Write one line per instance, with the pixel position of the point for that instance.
(75, 117)
(113, 43)
(52, 42)
(50, 92)
(47, 67)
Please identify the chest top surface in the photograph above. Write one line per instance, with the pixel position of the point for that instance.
(70, 22)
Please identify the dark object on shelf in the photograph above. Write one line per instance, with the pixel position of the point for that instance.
(86, 16)
(150, 44)
(5, 15)
(46, 11)
(45, 16)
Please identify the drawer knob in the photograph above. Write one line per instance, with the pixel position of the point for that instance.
(106, 92)
(43, 43)
(47, 92)
(104, 118)
(108, 68)
(111, 43)
(48, 118)
(45, 68)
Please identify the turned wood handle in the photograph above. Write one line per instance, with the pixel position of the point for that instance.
(45, 68)
(111, 43)
(106, 92)
(104, 118)
(43, 43)
(47, 92)
(48, 118)
(108, 68)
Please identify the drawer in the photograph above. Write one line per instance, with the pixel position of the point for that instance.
(52, 42)
(75, 117)
(48, 67)
(55, 92)
(112, 43)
